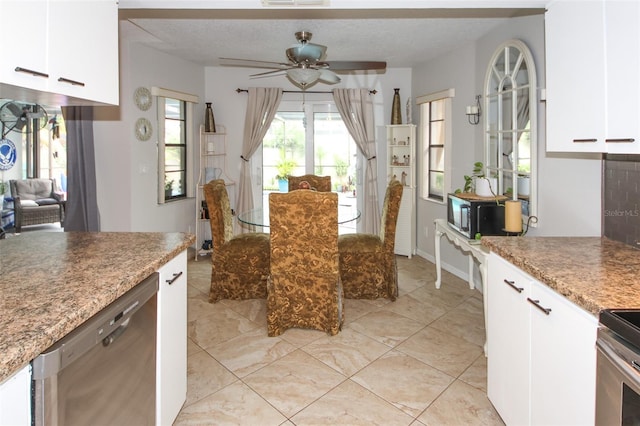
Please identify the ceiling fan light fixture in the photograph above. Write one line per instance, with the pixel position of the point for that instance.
(295, 3)
(303, 76)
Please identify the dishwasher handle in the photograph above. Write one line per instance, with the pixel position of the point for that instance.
(116, 333)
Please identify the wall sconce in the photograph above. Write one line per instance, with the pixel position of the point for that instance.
(473, 112)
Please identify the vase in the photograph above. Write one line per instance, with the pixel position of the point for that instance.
(209, 121)
(396, 114)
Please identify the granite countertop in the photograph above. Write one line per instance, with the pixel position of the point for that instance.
(594, 273)
(51, 282)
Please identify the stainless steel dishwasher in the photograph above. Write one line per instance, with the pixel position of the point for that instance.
(103, 372)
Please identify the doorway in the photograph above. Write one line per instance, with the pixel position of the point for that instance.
(310, 138)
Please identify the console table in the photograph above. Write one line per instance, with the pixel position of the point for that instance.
(473, 249)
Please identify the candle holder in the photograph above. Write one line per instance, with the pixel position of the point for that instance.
(474, 111)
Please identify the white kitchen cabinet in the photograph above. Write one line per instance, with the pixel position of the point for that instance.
(15, 399)
(541, 364)
(171, 362)
(62, 52)
(401, 143)
(592, 61)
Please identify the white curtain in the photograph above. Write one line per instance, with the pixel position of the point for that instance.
(356, 109)
(262, 106)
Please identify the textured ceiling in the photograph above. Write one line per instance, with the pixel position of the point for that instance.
(402, 38)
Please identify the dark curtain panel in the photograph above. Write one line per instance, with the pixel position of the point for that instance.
(82, 202)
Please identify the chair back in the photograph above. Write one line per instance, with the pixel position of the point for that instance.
(319, 183)
(32, 189)
(304, 285)
(389, 218)
(220, 218)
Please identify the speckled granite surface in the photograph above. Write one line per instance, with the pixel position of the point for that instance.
(594, 273)
(51, 282)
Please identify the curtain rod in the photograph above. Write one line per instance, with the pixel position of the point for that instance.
(238, 90)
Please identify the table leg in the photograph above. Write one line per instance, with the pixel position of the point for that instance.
(471, 284)
(485, 301)
(438, 238)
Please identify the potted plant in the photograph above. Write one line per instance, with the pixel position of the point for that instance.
(168, 187)
(283, 170)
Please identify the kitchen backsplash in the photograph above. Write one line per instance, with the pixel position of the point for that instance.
(621, 216)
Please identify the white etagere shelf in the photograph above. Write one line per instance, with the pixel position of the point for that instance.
(213, 165)
(401, 161)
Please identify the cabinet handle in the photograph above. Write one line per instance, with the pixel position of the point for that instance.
(72, 82)
(32, 72)
(536, 303)
(511, 284)
(585, 140)
(623, 140)
(175, 277)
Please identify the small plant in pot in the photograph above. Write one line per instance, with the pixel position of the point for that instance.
(284, 169)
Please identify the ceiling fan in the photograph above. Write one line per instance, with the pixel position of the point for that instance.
(306, 64)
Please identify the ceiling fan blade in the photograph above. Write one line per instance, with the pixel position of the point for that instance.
(306, 52)
(250, 63)
(268, 73)
(329, 77)
(356, 65)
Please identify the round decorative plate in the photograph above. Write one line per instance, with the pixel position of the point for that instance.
(142, 96)
(143, 129)
(8, 154)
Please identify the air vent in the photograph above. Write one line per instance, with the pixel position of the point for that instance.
(295, 3)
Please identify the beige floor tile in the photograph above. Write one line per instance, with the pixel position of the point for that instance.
(235, 404)
(347, 352)
(192, 348)
(476, 374)
(356, 308)
(461, 404)
(445, 298)
(299, 337)
(402, 380)
(198, 305)
(205, 376)
(219, 326)
(465, 320)
(294, 381)
(253, 309)
(441, 350)
(351, 404)
(386, 326)
(250, 351)
(422, 311)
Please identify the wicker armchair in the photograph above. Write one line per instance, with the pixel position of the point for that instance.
(239, 264)
(319, 183)
(35, 202)
(368, 266)
(304, 287)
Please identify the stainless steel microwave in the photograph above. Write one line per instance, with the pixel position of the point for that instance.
(473, 216)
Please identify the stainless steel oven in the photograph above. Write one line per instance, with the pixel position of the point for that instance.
(618, 368)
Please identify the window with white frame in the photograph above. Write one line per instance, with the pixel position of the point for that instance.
(175, 142)
(435, 145)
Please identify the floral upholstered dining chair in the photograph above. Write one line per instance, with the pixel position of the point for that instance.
(240, 263)
(304, 289)
(368, 266)
(319, 183)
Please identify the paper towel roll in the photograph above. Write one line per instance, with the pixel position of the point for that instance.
(513, 216)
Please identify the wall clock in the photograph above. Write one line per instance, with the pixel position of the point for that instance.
(143, 129)
(142, 97)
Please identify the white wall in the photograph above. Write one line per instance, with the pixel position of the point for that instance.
(126, 168)
(569, 186)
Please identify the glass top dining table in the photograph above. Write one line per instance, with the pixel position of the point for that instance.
(260, 216)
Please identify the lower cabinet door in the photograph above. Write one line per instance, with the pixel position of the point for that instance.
(508, 344)
(172, 340)
(563, 361)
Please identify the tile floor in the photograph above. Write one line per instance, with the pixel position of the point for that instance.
(415, 361)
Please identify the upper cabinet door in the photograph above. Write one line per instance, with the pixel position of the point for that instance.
(623, 76)
(593, 88)
(24, 44)
(575, 63)
(83, 56)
